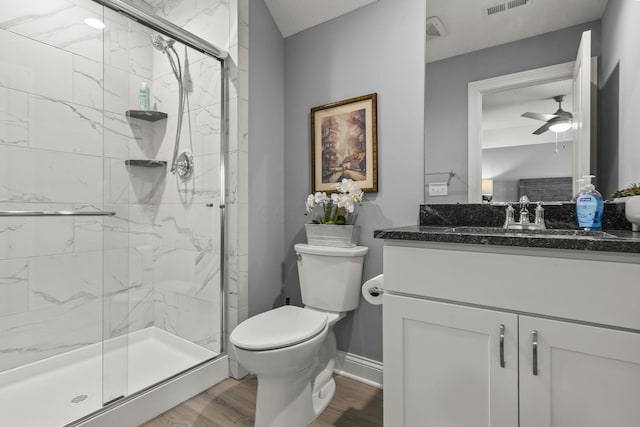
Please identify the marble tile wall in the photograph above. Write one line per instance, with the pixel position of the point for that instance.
(51, 148)
(171, 216)
(62, 121)
(186, 243)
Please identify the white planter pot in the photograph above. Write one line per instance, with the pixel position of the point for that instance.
(632, 212)
(342, 236)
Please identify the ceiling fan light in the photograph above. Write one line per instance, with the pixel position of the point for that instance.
(560, 126)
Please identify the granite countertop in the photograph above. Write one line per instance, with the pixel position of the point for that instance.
(481, 224)
(623, 241)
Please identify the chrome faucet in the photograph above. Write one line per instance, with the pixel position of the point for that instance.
(524, 222)
(524, 211)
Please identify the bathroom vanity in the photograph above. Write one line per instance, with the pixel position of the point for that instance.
(504, 329)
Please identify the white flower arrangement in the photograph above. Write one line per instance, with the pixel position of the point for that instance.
(339, 208)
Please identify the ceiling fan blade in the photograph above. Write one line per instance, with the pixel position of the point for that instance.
(539, 116)
(542, 129)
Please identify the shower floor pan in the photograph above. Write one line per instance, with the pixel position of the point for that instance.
(66, 387)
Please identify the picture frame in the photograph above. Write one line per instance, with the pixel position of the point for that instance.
(344, 144)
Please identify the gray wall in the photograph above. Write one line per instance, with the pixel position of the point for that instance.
(377, 48)
(507, 165)
(619, 150)
(446, 95)
(266, 160)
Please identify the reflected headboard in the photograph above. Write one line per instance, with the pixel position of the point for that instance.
(546, 189)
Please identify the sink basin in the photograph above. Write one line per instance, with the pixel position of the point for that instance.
(520, 233)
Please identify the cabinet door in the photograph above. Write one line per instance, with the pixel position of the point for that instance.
(586, 376)
(443, 365)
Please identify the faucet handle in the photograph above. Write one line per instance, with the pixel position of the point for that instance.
(524, 212)
(539, 220)
(509, 215)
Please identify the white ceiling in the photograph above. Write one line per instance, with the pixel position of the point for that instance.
(292, 16)
(469, 28)
(502, 124)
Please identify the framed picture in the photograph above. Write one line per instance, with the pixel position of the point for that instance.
(344, 144)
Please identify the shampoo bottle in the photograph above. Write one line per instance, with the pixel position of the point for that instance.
(143, 97)
(589, 206)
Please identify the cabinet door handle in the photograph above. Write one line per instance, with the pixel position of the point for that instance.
(502, 346)
(534, 338)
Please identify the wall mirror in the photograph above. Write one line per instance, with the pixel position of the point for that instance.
(487, 65)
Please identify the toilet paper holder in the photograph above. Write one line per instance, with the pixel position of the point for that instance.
(375, 291)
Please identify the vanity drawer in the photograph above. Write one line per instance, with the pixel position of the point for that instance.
(599, 292)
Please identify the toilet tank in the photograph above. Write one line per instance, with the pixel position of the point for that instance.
(330, 277)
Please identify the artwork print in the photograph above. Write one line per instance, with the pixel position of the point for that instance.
(344, 143)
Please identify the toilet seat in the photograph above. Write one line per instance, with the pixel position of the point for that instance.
(282, 327)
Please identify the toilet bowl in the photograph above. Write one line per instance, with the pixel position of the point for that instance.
(292, 349)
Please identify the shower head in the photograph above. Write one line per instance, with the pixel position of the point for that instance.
(160, 43)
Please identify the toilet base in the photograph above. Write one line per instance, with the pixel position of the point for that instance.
(297, 398)
(322, 397)
(295, 384)
(287, 402)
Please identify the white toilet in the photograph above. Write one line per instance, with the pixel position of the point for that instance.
(291, 349)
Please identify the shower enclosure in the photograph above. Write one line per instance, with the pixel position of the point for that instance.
(110, 265)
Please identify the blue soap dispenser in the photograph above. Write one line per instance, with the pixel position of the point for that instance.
(589, 206)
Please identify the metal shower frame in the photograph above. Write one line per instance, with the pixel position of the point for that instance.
(189, 39)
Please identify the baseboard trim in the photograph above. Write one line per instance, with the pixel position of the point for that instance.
(359, 368)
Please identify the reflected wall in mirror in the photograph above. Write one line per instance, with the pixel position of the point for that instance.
(514, 159)
(478, 45)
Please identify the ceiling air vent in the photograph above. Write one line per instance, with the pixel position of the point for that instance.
(492, 10)
(516, 3)
(504, 6)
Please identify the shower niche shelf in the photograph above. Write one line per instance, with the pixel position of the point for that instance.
(150, 116)
(147, 163)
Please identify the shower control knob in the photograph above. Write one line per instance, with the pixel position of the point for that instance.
(184, 165)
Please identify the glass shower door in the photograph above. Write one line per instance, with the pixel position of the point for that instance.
(51, 242)
(96, 307)
(162, 249)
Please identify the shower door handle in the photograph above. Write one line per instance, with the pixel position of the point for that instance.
(502, 364)
(56, 213)
(534, 343)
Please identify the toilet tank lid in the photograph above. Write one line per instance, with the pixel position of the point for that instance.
(330, 250)
(281, 327)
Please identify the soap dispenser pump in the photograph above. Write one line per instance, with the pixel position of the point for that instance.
(589, 206)
(580, 189)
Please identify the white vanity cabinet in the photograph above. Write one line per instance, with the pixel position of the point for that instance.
(459, 345)
(442, 365)
(586, 376)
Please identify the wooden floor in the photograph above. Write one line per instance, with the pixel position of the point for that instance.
(232, 403)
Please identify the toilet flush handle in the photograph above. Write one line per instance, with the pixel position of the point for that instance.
(298, 256)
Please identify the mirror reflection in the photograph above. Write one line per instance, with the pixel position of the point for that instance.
(494, 151)
(524, 155)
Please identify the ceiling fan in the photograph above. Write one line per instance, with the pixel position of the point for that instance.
(556, 122)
